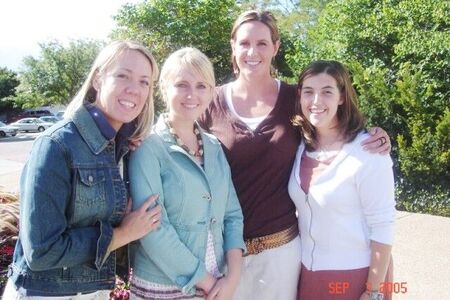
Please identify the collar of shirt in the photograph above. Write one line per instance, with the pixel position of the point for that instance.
(102, 123)
(120, 137)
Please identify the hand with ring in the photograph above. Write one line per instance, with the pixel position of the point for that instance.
(378, 142)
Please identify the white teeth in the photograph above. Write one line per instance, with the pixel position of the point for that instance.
(127, 103)
(252, 63)
(190, 105)
(316, 110)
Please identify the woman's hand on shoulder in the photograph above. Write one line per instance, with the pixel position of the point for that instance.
(136, 224)
(134, 144)
(378, 142)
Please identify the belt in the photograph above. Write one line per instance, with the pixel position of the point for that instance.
(274, 240)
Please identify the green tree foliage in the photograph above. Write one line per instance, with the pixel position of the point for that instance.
(398, 52)
(167, 25)
(56, 76)
(8, 83)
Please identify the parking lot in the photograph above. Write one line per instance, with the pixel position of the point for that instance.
(13, 154)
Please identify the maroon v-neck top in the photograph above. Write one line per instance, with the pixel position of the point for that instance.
(261, 161)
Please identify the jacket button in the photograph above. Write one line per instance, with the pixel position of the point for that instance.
(213, 220)
(90, 178)
(207, 197)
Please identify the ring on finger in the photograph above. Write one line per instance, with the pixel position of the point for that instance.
(382, 141)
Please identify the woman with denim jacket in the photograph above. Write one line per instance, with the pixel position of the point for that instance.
(202, 225)
(74, 210)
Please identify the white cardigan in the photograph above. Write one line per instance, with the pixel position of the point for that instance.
(349, 204)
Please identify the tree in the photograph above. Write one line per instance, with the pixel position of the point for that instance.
(8, 84)
(167, 25)
(399, 55)
(56, 76)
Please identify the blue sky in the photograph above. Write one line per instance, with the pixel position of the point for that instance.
(25, 23)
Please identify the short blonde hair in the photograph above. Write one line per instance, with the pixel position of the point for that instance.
(107, 57)
(189, 58)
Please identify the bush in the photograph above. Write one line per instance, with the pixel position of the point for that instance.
(398, 53)
(9, 229)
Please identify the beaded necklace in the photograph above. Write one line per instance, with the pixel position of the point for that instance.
(199, 152)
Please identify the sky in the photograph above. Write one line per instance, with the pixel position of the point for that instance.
(26, 23)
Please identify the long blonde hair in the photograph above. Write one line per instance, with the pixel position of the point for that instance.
(106, 58)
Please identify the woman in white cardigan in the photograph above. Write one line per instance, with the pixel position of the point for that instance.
(344, 195)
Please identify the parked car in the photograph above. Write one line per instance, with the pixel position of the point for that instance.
(7, 130)
(31, 124)
(50, 119)
(60, 114)
(30, 113)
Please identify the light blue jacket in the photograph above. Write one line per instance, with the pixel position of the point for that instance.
(193, 199)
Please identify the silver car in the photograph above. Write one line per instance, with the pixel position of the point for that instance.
(31, 124)
(7, 130)
(49, 119)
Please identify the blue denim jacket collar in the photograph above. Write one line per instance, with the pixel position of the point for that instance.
(89, 131)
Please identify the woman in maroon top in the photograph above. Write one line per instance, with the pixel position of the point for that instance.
(252, 118)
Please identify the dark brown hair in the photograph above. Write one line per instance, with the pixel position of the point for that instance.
(264, 17)
(350, 119)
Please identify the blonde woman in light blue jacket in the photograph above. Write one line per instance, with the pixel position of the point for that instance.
(197, 251)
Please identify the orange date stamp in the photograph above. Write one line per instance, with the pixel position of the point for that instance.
(341, 287)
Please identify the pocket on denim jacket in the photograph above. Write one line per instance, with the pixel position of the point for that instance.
(90, 198)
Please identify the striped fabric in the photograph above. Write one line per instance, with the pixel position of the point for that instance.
(142, 289)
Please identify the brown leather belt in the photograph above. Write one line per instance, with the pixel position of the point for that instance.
(274, 240)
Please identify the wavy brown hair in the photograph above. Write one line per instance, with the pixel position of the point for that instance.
(350, 119)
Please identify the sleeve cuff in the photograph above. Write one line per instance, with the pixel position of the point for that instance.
(106, 232)
(235, 244)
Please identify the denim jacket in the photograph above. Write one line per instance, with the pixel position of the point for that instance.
(193, 200)
(72, 195)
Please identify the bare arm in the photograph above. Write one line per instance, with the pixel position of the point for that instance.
(379, 263)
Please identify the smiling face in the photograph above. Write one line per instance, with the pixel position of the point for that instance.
(188, 95)
(124, 87)
(253, 48)
(320, 99)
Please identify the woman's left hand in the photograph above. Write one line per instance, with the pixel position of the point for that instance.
(378, 142)
(223, 290)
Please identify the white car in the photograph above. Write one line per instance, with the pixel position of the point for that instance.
(49, 119)
(60, 114)
(7, 130)
(31, 124)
